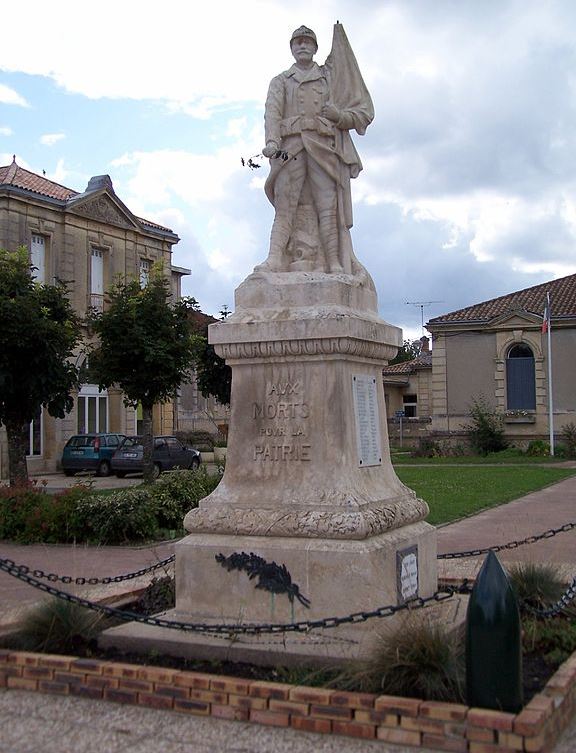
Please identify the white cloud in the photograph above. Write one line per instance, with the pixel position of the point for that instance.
(49, 139)
(9, 96)
(6, 131)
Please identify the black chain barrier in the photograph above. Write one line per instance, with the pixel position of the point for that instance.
(510, 545)
(558, 607)
(82, 581)
(94, 581)
(227, 629)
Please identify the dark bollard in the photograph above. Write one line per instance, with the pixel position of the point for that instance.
(493, 641)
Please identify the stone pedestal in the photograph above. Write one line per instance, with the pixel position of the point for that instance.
(308, 484)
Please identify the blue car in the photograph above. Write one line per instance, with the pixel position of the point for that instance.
(90, 452)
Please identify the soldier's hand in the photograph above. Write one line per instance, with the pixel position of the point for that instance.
(331, 112)
(270, 150)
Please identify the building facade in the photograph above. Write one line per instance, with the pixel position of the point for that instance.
(87, 240)
(497, 350)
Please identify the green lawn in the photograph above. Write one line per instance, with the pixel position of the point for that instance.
(453, 492)
(507, 457)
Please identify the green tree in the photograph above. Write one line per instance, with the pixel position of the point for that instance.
(145, 348)
(38, 333)
(409, 350)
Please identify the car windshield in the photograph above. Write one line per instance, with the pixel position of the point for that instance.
(85, 440)
(132, 442)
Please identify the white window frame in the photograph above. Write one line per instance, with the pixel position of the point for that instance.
(88, 396)
(38, 257)
(30, 453)
(97, 278)
(144, 271)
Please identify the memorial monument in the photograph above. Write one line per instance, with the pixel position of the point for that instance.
(309, 520)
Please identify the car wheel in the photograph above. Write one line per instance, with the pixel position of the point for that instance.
(68, 473)
(120, 474)
(156, 471)
(104, 468)
(195, 464)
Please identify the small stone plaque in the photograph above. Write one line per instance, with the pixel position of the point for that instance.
(367, 420)
(407, 574)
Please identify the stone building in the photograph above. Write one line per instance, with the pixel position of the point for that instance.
(497, 349)
(408, 393)
(86, 239)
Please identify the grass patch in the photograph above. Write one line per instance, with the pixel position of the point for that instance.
(454, 492)
(506, 457)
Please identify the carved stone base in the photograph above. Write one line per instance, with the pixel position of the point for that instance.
(336, 577)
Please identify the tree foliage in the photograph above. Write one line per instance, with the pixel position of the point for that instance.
(409, 350)
(38, 333)
(213, 376)
(145, 347)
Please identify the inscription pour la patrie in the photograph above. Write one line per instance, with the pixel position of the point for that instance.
(282, 420)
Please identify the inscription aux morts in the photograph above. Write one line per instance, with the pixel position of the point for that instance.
(283, 416)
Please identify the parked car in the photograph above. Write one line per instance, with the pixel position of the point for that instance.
(90, 452)
(168, 453)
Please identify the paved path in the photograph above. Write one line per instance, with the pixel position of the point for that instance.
(30, 722)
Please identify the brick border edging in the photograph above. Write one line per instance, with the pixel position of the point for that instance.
(407, 721)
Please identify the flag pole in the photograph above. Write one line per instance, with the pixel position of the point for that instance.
(550, 396)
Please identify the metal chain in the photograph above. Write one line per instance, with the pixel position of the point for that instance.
(558, 607)
(227, 629)
(510, 545)
(94, 581)
(82, 581)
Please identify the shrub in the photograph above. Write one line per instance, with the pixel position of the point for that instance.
(538, 448)
(126, 515)
(177, 492)
(537, 585)
(427, 448)
(485, 430)
(553, 640)
(200, 440)
(29, 514)
(56, 626)
(419, 659)
(568, 435)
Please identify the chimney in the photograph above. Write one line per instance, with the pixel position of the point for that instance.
(424, 344)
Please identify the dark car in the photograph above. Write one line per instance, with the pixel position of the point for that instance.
(168, 453)
(90, 452)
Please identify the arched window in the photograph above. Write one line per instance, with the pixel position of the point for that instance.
(520, 378)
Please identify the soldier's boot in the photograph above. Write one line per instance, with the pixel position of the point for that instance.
(279, 237)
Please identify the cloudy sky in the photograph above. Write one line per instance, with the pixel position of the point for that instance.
(469, 183)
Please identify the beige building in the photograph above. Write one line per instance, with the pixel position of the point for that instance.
(496, 349)
(408, 393)
(88, 240)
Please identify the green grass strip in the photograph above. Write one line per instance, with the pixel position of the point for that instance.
(454, 492)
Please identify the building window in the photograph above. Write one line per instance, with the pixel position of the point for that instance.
(145, 265)
(92, 410)
(410, 405)
(35, 436)
(97, 279)
(38, 258)
(520, 378)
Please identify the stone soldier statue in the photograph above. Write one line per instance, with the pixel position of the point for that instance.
(310, 110)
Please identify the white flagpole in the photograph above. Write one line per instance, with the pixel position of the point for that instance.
(550, 396)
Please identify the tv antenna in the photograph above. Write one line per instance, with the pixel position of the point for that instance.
(423, 305)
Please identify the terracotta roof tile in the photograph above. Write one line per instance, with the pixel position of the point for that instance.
(14, 175)
(532, 300)
(423, 361)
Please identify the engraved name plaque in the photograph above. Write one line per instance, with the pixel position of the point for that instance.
(407, 574)
(367, 420)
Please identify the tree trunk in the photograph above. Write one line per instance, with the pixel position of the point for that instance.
(17, 434)
(148, 443)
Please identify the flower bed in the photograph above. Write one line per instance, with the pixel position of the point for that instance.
(406, 721)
